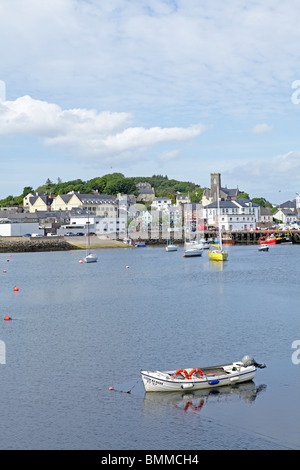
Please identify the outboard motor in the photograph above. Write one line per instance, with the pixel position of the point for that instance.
(250, 361)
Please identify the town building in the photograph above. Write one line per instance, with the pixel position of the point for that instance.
(239, 214)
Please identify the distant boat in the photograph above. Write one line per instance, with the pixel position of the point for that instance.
(267, 240)
(128, 241)
(171, 247)
(191, 248)
(192, 251)
(140, 244)
(89, 257)
(263, 247)
(217, 253)
(228, 240)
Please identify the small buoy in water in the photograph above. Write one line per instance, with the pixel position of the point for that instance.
(111, 388)
(4, 271)
(81, 261)
(7, 318)
(16, 289)
(7, 260)
(127, 267)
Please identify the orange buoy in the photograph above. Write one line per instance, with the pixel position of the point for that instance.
(4, 271)
(111, 388)
(7, 318)
(16, 289)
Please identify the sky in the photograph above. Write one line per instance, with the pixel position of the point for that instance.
(182, 88)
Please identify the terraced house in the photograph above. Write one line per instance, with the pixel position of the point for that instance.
(101, 205)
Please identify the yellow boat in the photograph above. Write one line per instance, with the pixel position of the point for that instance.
(217, 254)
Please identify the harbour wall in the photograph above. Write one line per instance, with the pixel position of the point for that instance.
(237, 238)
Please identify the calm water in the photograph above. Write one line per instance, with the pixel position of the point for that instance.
(78, 329)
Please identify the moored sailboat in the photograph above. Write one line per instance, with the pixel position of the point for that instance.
(217, 253)
(89, 257)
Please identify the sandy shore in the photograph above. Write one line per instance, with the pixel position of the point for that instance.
(96, 242)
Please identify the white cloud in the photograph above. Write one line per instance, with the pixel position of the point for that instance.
(262, 129)
(269, 174)
(85, 132)
(140, 53)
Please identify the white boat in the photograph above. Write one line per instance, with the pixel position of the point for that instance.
(200, 378)
(171, 247)
(89, 257)
(191, 247)
(264, 247)
(192, 251)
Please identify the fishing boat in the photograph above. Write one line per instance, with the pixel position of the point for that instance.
(201, 378)
(228, 240)
(267, 240)
(217, 253)
(89, 257)
(263, 247)
(139, 244)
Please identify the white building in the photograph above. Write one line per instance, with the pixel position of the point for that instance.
(240, 214)
(161, 204)
(82, 222)
(18, 229)
(286, 216)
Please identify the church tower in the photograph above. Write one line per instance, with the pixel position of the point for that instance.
(215, 185)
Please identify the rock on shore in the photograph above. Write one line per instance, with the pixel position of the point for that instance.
(28, 244)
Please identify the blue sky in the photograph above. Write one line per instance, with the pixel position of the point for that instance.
(181, 88)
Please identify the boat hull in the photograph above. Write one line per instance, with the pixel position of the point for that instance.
(217, 256)
(219, 376)
(190, 253)
(263, 248)
(267, 241)
(90, 259)
(171, 248)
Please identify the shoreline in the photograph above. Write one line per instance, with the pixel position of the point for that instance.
(44, 244)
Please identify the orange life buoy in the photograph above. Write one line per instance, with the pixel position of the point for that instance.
(196, 370)
(179, 371)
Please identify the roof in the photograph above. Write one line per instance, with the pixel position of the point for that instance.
(230, 192)
(287, 205)
(45, 198)
(242, 202)
(96, 198)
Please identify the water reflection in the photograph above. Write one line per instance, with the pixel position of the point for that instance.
(193, 401)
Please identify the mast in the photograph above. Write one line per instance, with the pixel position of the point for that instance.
(88, 235)
(219, 225)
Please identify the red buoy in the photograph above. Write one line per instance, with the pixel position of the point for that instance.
(7, 318)
(16, 289)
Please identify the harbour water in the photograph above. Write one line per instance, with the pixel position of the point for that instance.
(78, 329)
